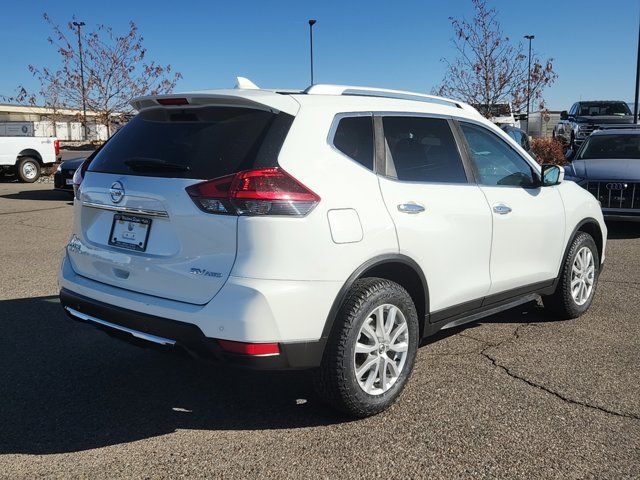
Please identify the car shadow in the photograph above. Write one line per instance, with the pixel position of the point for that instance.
(66, 386)
(623, 230)
(39, 195)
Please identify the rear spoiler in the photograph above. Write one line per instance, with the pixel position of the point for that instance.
(243, 98)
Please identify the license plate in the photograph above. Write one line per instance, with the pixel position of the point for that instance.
(69, 181)
(130, 232)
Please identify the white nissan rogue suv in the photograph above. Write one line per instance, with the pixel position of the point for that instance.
(330, 229)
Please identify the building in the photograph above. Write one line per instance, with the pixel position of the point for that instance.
(64, 123)
(541, 123)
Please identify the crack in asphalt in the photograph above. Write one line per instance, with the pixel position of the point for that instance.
(515, 336)
(34, 210)
(619, 281)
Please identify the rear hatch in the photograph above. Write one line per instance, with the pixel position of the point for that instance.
(137, 228)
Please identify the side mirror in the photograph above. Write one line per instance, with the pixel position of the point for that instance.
(569, 154)
(564, 115)
(551, 175)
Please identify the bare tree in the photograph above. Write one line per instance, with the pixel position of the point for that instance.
(116, 70)
(49, 95)
(489, 68)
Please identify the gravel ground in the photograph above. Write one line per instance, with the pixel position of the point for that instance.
(513, 396)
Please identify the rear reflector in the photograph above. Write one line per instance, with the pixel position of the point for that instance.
(172, 101)
(243, 348)
(266, 191)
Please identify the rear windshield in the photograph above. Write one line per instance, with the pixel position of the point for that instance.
(199, 143)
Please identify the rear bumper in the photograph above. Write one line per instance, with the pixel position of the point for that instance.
(59, 182)
(143, 329)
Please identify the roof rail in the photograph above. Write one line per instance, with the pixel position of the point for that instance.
(324, 89)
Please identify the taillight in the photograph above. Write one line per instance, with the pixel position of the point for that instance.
(243, 348)
(172, 101)
(78, 175)
(56, 147)
(266, 191)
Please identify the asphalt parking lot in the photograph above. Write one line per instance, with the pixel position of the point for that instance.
(516, 395)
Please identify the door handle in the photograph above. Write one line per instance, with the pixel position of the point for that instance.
(501, 209)
(411, 208)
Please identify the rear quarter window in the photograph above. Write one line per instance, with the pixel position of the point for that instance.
(199, 143)
(354, 138)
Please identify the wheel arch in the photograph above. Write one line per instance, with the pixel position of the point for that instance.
(395, 267)
(29, 152)
(587, 225)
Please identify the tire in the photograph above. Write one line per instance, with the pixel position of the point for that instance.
(336, 382)
(572, 145)
(28, 170)
(564, 302)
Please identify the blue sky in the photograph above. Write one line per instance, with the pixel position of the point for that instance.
(393, 44)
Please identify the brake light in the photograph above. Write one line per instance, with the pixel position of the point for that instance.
(266, 191)
(172, 101)
(243, 348)
(78, 176)
(56, 147)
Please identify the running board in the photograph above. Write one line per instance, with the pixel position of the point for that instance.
(492, 311)
(141, 335)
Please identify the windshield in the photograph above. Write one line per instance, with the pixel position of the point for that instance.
(596, 109)
(611, 146)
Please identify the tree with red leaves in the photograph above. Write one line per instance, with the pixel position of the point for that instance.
(116, 69)
(489, 68)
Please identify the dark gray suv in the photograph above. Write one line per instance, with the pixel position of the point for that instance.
(608, 166)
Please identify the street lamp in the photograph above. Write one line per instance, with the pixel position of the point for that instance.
(79, 25)
(311, 24)
(635, 103)
(529, 37)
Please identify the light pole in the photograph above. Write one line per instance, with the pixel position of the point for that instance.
(79, 25)
(635, 104)
(529, 37)
(311, 24)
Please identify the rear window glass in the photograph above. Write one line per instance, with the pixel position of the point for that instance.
(354, 138)
(200, 143)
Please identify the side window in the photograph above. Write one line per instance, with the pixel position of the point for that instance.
(354, 138)
(422, 150)
(496, 162)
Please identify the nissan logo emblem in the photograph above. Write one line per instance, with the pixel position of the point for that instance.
(616, 186)
(116, 192)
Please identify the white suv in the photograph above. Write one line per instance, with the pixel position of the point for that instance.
(330, 229)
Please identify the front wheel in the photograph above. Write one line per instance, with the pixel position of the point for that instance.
(578, 279)
(371, 350)
(28, 170)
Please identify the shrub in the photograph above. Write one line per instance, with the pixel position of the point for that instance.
(548, 150)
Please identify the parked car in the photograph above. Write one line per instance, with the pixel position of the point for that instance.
(26, 156)
(330, 229)
(586, 117)
(608, 166)
(520, 137)
(63, 177)
(499, 113)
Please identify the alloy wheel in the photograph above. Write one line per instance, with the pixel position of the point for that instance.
(381, 349)
(583, 273)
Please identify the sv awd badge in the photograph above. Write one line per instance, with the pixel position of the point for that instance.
(204, 273)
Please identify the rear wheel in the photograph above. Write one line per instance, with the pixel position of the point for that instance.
(28, 170)
(578, 279)
(371, 350)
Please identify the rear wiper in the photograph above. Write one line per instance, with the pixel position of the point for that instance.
(151, 164)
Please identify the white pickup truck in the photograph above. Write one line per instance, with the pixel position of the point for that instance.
(26, 156)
